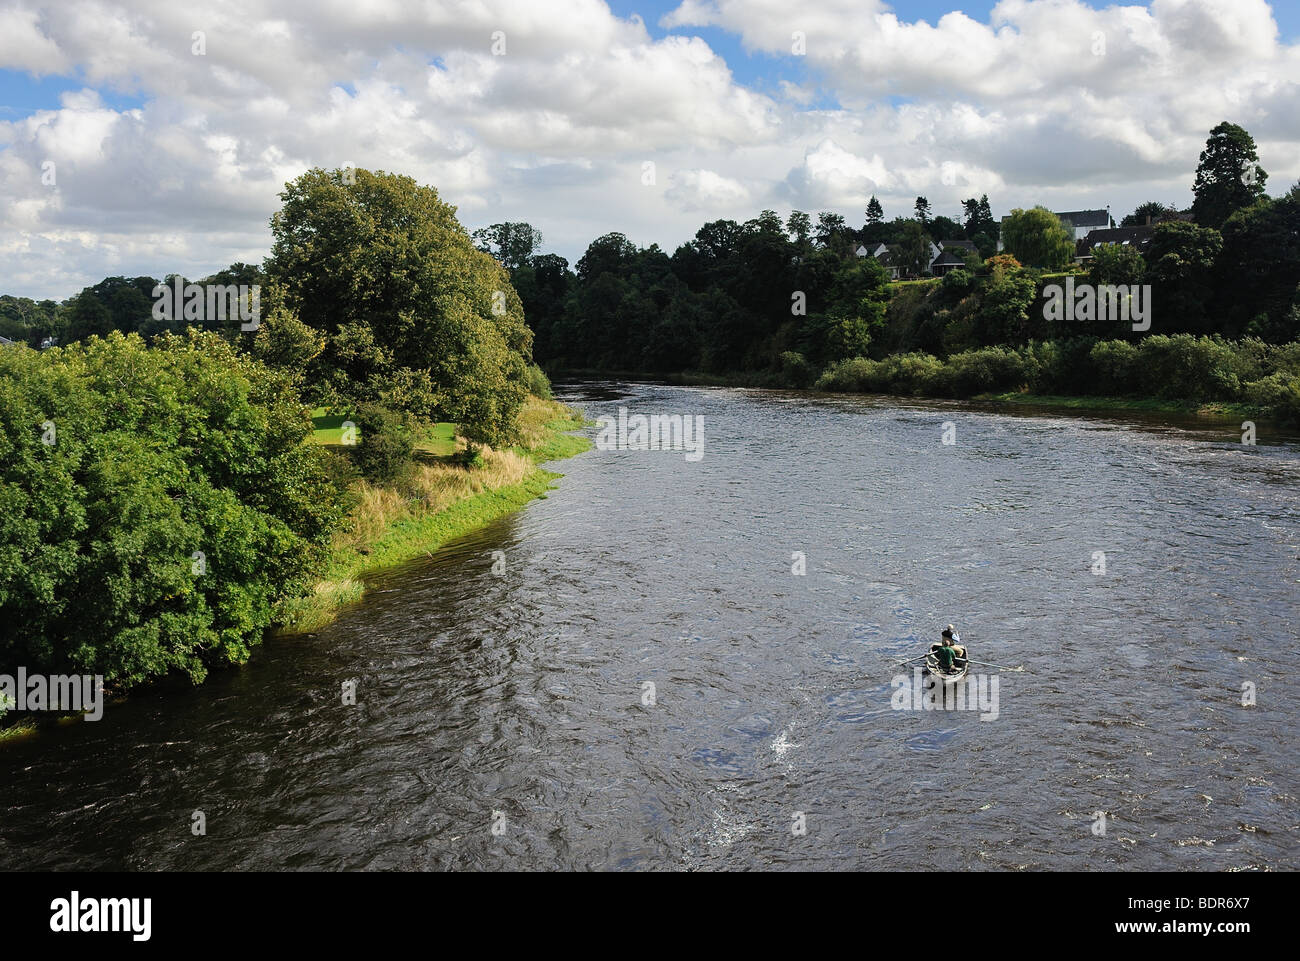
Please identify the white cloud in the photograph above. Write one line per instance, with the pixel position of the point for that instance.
(555, 131)
(709, 191)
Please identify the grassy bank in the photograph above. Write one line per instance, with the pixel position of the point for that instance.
(434, 502)
(1217, 411)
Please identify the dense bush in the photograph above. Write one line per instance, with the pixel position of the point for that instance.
(984, 370)
(1280, 392)
(155, 504)
(1061, 366)
(1115, 363)
(538, 384)
(855, 375)
(1187, 367)
(387, 442)
(907, 374)
(796, 371)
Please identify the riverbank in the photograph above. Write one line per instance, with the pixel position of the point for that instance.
(437, 501)
(1213, 411)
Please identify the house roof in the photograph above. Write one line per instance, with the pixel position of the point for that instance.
(948, 258)
(5, 340)
(1138, 237)
(957, 245)
(1085, 218)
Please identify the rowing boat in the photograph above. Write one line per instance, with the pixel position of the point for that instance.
(959, 668)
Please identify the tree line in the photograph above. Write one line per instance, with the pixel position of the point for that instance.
(767, 295)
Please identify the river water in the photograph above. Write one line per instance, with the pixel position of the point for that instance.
(507, 721)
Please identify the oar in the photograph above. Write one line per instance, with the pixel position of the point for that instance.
(1000, 667)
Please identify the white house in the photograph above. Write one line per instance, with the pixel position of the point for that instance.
(1084, 222)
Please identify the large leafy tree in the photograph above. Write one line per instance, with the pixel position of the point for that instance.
(1002, 315)
(1259, 270)
(799, 225)
(833, 233)
(1037, 238)
(417, 316)
(1228, 176)
(513, 244)
(1180, 268)
(911, 251)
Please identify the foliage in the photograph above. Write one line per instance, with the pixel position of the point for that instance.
(178, 501)
(1036, 237)
(387, 442)
(1228, 176)
(513, 244)
(383, 269)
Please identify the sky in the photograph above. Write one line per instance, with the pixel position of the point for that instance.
(129, 146)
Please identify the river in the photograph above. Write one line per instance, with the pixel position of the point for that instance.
(648, 686)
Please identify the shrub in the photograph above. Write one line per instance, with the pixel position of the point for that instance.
(986, 369)
(1280, 393)
(471, 456)
(796, 371)
(1186, 367)
(538, 384)
(849, 376)
(387, 442)
(1061, 366)
(910, 373)
(1116, 366)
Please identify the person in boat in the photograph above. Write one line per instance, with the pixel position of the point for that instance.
(956, 642)
(948, 655)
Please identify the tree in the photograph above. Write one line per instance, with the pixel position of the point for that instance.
(611, 253)
(875, 213)
(978, 219)
(512, 244)
(1180, 269)
(1037, 238)
(922, 211)
(85, 316)
(912, 251)
(1119, 265)
(1003, 310)
(377, 262)
(1153, 209)
(799, 226)
(833, 233)
(1259, 269)
(766, 222)
(945, 228)
(1228, 176)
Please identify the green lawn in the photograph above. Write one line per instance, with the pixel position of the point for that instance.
(328, 429)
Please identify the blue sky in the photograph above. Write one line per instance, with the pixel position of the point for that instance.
(21, 94)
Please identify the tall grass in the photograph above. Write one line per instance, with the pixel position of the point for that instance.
(432, 502)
